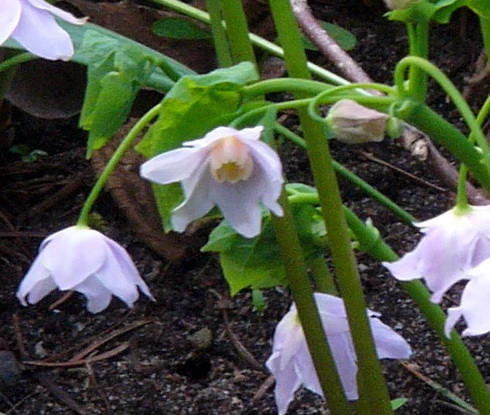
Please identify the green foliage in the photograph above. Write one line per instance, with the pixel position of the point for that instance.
(256, 263)
(194, 106)
(179, 28)
(426, 11)
(113, 83)
(398, 403)
(346, 40)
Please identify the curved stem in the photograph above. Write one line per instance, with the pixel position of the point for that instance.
(83, 219)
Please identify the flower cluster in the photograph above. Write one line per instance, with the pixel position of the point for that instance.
(455, 247)
(33, 25)
(229, 168)
(291, 362)
(83, 260)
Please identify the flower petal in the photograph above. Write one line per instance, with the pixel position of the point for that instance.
(98, 297)
(72, 255)
(10, 11)
(389, 344)
(173, 166)
(38, 32)
(34, 279)
(42, 5)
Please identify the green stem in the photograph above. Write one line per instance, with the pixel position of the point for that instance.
(296, 271)
(258, 41)
(331, 205)
(453, 94)
(83, 219)
(322, 276)
(238, 33)
(220, 39)
(447, 135)
(353, 178)
(485, 31)
(419, 46)
(372, 244)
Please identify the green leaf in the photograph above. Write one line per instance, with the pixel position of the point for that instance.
(480, 7)
(193, 107)
(398, 403)
(113, 84)
(179, 28)
(423, 11)
(256, 263)
(346, 40)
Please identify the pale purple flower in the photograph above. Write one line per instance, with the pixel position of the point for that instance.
(229, 168)
(454, 243)
(291, 362)
(474, 305)
(32, 24)
(81, 259)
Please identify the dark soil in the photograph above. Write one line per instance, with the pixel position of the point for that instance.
(156, 365)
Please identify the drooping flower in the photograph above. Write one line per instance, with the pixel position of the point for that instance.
(454, 243)
(475, 305)
(32, 24)
(353, 123)
(229, 168)
(291, 362)
(81, 259)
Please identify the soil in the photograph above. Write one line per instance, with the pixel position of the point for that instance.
(196, 350)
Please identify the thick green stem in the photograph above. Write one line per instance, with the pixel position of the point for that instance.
(447, 135)
(83, 219)
(220, 39)
(419, 46)
(485, 31)
(326, 183)
(296, 271)
(238, 33)
(372, 243)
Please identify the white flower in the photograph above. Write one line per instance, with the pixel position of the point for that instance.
(32, 24)
(475, 305)
(81, 259)
(291, 362)
(229, 168)
(454, 243)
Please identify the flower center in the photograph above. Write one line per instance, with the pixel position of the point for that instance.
(230, 160)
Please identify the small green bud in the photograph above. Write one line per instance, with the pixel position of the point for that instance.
(353, 123)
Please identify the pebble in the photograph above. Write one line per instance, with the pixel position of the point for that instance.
(9, 369)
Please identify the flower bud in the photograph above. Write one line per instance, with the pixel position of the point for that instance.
(398, 4)
(352, 123)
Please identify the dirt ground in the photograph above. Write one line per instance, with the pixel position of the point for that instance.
(196, 350)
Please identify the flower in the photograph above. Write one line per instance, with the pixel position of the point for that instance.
(474, 306)
(81, 259)
(353, 123)
(32, 24)
(228, 168)
(454, 242)
(291, 362)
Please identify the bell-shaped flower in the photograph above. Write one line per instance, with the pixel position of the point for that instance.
(353, 123)
(291, 362)
(453, 243)
(475, 305)
(32, 24)
(81, 259)
(229, 168)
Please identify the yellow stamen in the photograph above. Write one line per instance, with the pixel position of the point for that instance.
(231, 160)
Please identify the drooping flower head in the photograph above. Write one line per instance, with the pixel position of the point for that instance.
(291, 362)
(229, 168)
(32, 24)
(353, 123)
(81, 259)
(453, 243)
